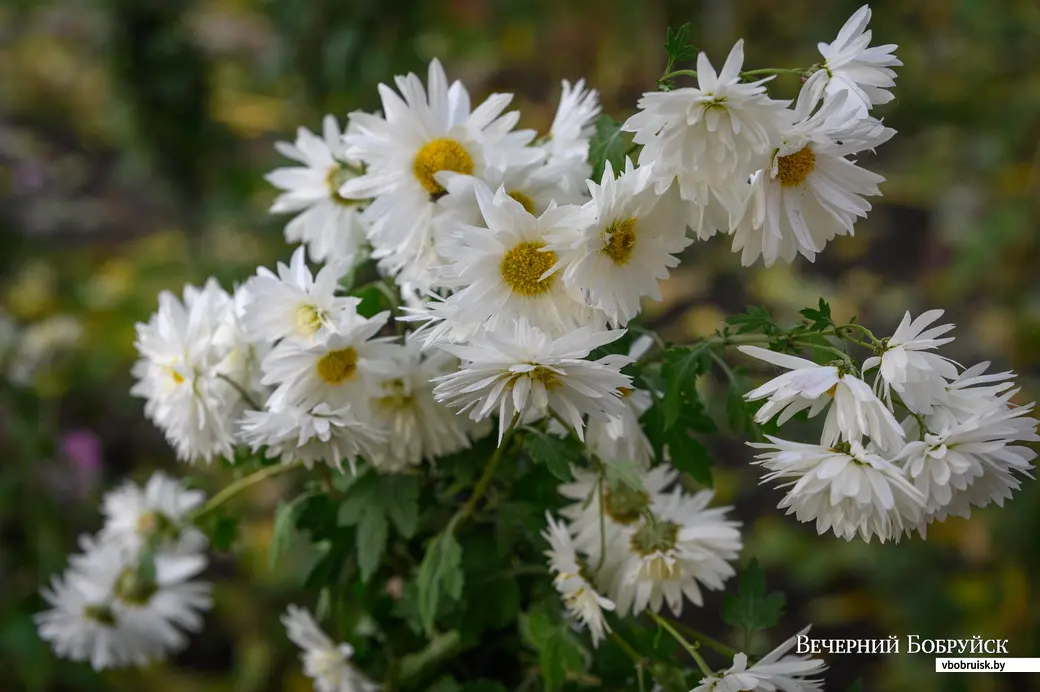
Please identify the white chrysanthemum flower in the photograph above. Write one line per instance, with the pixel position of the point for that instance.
(572, 129)
(103, 611)
(628, 246)
(535, 186)
(134, 514)
(845, 488)
(906, 366)
(242, 354)
(711, 138)
(621, 438)
(294, 304)
(684, 548)
(850, 65)
(507, 270)
(417, 426)
(777, 670)
(324, 661)
(521, 368)
(970, 394)
(178, 373)
(583, 602)
(809, 192)
(424, 132)
(857, 411)
(321, 435)
(333, 371)
(973, 461)
(330, 225)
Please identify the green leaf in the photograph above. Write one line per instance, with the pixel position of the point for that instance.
(607, 144)
(373, 299)
(690, 456)
(556, 453)
(681, 369)
(819, 317)
(440, 575)
(222, 530)
(284, 524)
(402, 494)
(371, 542)
(623, 473)
(751, 609)
(756, 319)
(677, 44)
(558, 653)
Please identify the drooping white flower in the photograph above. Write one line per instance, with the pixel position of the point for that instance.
(423, 132)
(334, 371)
(846, 488)
(328, 224)
(628, 246)
(294, 303)
(520, 367)
(105, 612)
(178, 373)
(417, 427)
(579, 594)
(809, 192)
(572, 129)
(685, 547)
(777, 670)
(856, 412)
(907, 367)
(508, 270)
(324, 661)
(321, 434)
(710, 137)
(850, 65)
(970, 394)
(134, 514)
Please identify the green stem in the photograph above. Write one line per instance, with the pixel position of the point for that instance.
(713, 644)
(874, 341)
(678, 73)
(690, 648)
(636, 657)
(238, 486)
(774, 70)
(246, 396)
(485, 478)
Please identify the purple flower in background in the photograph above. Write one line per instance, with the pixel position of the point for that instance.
(80, 448)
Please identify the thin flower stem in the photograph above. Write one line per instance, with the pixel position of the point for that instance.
(874, 341)
(678, 73)
(485, 478)
(690, 648)
(636, 657)
(238, 486)
(775, 70)
(246, 396)
(602, 525)
(713, 644)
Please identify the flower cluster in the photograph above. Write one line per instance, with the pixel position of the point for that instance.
(927, 440)
(129, 597)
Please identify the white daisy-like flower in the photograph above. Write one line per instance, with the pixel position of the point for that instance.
(330, 225)
(424, 132)
(710, 137)
(178, 373)
(628, 246)
(324, 661)
(572, 129)
(133, 514)
(686, 546)
(583, 602)
(810, 191)
(777, 670)
(845, 488)
(417, 426)
(242, 354)
(319, 435)
(294, 303)
(850, 65)
(105, 612)
(508, 269)
(521, 367)
(856, 412)
(332, 371)
(970, 394)
(907, 367)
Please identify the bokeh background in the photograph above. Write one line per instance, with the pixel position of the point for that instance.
(133, 139)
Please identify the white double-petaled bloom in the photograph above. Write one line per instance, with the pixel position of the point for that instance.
(570, 577)
(856, 412)
(907, 366)
(135, 515)
(324, 661)
(777, 670)
(573, 125)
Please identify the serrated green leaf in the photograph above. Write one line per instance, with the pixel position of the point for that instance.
(440, 575)
(751, 609)
(371, 542)
(690, 456)
(608, 143)
(819, 317)
(677, 44)
(556, 453)
(756, 319)
(558, 653)
(285, 517)
(681, 368)
(402, 496)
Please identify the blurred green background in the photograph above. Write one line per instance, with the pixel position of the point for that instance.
(133, 139)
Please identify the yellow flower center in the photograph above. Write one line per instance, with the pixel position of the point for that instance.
(440, 155)
(522, 268)
(525, 201)
(132, 588)
(337, 176)
(152, 522)
(794, 168)
(547, 377)
(336, 367)
(655, 537)
(395, 395)
(624, 504)
(625, 392)
(309, 318)
(621, 241)
(176, 376)
(101, 614)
